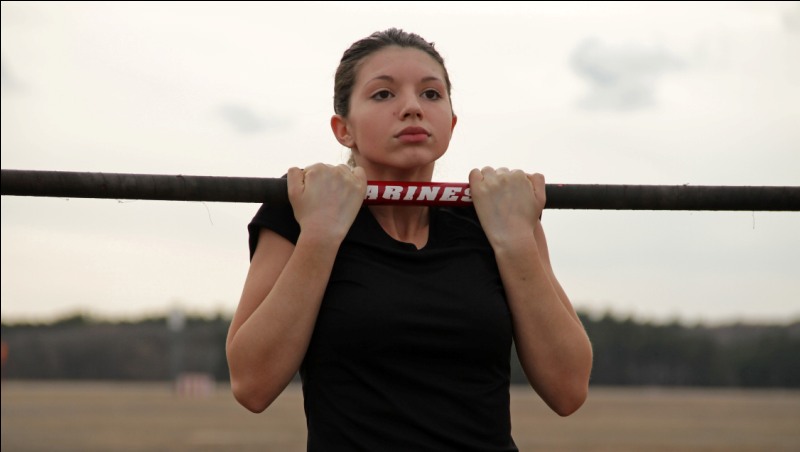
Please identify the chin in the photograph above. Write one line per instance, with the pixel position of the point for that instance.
(420, 159)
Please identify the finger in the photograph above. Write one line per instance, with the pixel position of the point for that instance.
(537, 180)
(294, 179)
(475, 176)
(295, 174)
(539, 188)
(518, 174)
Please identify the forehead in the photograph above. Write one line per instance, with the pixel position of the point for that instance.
(399, 62)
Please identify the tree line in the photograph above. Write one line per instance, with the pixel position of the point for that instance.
(626, 352)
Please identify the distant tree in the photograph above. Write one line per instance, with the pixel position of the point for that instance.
(631, 353)
(626, 352)
(772, 360)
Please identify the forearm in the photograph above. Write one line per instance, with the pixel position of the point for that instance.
(268, 348)
(544, 255)
(552, 345)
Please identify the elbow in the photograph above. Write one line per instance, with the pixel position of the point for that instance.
(571, 401)
(250, 389)
(249, 396)
(566, 397)
(255, 387)
(575, 386)
(568, 391)
(574, 392)
(247, 384)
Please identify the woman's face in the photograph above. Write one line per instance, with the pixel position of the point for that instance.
(400, 115)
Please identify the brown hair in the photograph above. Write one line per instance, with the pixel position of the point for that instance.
(348, 66)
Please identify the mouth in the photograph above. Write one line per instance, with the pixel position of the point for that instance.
(413, 135)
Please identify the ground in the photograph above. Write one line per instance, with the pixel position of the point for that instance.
(105, 416)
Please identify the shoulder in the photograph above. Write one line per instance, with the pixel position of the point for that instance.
(276, 217)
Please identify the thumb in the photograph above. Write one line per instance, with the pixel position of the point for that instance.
(295, 181)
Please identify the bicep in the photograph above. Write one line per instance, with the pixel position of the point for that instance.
(270, 257)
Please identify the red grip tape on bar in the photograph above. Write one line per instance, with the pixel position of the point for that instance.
(418, 193)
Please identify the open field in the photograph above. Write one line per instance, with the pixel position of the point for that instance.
(105, 416)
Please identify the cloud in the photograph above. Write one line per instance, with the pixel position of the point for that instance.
(791, 18)
(621, 77)
(245, 120)
(9, 82)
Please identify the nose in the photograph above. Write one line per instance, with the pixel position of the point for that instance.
(411, 107)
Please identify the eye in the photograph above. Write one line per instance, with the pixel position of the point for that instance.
(382, 95)
(431, 94)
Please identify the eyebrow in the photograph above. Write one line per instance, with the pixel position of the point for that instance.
(389, 78)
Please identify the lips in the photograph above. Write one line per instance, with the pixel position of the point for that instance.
(413, 135)
(413, 131)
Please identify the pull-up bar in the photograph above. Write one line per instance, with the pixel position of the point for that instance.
(64, 184)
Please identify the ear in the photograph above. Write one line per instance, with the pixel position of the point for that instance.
(453, 125)
(341, 131)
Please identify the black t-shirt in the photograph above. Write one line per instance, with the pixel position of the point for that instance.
(411, 348)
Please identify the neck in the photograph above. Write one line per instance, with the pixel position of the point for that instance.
(404, 223)
(385, 173)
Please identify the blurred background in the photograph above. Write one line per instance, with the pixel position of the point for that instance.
(583, 92)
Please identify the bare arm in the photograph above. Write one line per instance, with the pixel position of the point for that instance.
(552, 345)
(272, 327)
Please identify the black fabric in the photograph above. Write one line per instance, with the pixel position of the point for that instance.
(411, 347)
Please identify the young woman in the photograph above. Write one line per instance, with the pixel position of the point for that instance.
(400, 319)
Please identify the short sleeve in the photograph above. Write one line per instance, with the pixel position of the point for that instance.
(276, 217)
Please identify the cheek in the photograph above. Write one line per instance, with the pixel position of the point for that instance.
(444, 122)
(371, 129)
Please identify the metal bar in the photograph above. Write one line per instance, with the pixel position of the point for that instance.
(63, 184)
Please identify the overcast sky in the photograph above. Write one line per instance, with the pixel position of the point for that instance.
(586, 92)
